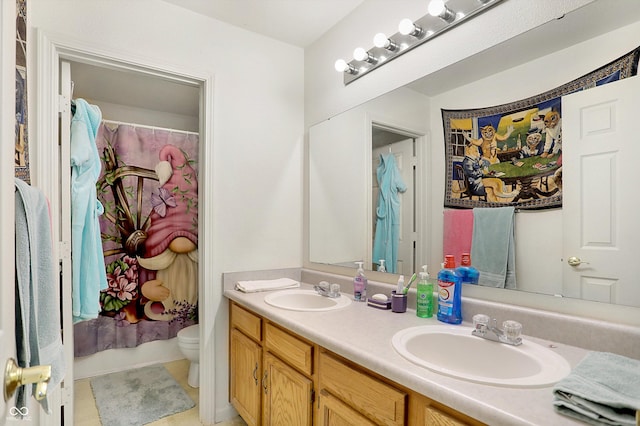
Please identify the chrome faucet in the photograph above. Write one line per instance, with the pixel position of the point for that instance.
(328, 290)
(508, 334)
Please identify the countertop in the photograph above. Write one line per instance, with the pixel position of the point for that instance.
(363, 334)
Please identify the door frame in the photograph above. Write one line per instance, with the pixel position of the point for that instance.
(422, 187)
(7, 197)
(53, 48)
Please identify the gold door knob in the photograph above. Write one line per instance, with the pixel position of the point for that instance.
(575, 261)
(15, 376)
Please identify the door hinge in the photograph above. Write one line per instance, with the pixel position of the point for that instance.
(64, 250)
(64, 104)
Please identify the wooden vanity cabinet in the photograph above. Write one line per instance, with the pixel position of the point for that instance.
(273, 375)
(270, 372)
(426, 412)
(245, 364)
(358, 393)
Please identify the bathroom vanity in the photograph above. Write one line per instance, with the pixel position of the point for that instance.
(339, 367)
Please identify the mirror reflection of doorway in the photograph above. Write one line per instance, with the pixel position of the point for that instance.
(385, 141)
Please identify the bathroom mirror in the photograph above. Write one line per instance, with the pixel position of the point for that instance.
(341, 149)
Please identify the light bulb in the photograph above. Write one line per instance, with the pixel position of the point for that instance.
(406, 26)
(341, 65)
(436, 7)
(380, 40)
(359, 54)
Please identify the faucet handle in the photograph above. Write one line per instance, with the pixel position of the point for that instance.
(480, 322)
(512, 330)
(334, 290)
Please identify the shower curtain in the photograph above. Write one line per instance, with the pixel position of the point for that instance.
(149, 230)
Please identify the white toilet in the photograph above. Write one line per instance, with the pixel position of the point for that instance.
(189, 343)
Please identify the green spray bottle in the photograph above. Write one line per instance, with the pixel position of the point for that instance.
(424, 304)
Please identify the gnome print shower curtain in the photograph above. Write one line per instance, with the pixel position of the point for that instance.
(149, 230)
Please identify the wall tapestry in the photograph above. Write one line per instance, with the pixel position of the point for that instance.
(511, 154)
(21, 156)
(149, 190)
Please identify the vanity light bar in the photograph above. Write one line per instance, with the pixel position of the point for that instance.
(442, 16)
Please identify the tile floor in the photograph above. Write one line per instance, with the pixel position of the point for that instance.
(86, 412)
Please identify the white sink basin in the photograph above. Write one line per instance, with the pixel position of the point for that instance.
(305, 300)
(453, 351)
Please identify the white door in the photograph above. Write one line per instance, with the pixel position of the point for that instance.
(405, 160)
(7, 253)
(600, 197)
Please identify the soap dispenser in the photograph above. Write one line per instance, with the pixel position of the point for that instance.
(360, 285)
(424, 301)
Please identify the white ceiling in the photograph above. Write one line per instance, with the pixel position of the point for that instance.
(296, 22)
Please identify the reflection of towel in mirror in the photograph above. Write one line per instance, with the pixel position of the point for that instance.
(603, 389)
(265, 285)
(493, 251)
(38, 339)
(458, 231)
(387, 235)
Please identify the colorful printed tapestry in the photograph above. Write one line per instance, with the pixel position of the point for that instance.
(149, 190)
(511, 154)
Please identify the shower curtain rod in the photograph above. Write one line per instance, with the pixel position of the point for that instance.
(150, 127)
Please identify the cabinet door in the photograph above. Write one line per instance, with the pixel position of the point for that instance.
(246, 370)
(333, 412)
(425, 412)
(287, 394)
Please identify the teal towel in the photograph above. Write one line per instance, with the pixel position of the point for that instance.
(603, 389)
(493, 251)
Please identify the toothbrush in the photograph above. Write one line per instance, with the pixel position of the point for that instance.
(405, 290)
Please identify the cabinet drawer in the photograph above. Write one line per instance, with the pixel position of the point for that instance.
(379, 401)
(293, 351)
(250, 324)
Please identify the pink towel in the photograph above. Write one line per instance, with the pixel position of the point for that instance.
(458, 232)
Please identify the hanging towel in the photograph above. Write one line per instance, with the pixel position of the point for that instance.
(89, 272)
(493, 246)
(38, 338)
(458, 232)
(385, 244)
(265, 285)
(603, 389)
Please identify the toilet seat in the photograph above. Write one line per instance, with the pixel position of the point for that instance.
(190, 334)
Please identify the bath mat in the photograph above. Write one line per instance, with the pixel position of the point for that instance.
(137, 397)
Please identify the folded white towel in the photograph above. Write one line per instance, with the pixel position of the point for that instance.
(265, 285)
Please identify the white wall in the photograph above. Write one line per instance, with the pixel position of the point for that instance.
(257, 133)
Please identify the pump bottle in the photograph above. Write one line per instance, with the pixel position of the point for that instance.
(360, 285)
(424, 303)
(449, 293)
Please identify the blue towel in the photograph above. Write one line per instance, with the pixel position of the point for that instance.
(603, 389)
(493, 246)
(38, 338)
